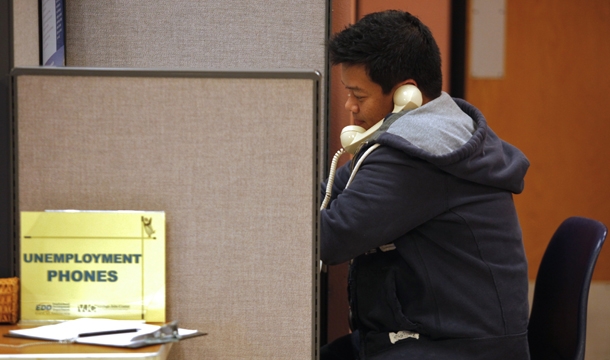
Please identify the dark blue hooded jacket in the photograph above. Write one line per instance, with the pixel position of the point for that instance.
(455, 287)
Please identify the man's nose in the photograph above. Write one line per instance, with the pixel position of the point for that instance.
(351, 106)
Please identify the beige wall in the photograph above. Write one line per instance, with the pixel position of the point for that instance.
(553, 104)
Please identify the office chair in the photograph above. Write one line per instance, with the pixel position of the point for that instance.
(558, 320)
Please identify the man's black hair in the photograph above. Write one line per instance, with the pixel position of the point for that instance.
(393, 46)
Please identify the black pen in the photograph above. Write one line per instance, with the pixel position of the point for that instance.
(109, 332)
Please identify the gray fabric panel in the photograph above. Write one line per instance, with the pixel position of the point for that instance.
(228, 34)
(25, 33)
(230, 161)
(200, 34)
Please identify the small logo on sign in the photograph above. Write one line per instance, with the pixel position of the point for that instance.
(43, 308)
(87, 308)
(147, 222)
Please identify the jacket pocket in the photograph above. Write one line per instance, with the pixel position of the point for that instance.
(394, 303)
(376, 302)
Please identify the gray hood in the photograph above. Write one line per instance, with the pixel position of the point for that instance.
(454, 136)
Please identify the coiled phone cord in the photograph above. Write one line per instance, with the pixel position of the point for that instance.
(333, 169)
(331, 178)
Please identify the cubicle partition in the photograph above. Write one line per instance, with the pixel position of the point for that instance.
(231, 157)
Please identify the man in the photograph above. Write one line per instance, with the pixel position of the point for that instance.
(438, 267)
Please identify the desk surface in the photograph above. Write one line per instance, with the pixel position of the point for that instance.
(37, 349)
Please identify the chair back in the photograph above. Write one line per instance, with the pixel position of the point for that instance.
(557, 326)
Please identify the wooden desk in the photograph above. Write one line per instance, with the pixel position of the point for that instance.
(44, 350)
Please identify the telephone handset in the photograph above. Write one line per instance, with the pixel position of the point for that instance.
(405, 97)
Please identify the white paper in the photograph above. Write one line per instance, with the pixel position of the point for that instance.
(69, 330)
(78, 331)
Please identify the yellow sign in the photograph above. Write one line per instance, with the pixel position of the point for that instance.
(108, 264)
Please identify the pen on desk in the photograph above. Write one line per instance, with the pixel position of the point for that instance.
(109, 332)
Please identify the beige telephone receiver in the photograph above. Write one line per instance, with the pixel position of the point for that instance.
(352, 136)
(405, 97)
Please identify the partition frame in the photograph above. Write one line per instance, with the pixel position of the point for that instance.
(7, 244)
(317, 152)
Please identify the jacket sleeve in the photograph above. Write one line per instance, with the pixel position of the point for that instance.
(390, 195)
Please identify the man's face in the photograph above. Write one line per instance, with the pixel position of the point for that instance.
(365, 99)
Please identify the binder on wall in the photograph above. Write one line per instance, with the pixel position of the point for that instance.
(52, 32)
